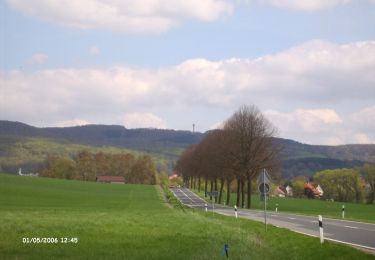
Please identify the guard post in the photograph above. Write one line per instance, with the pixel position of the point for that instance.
(321, 233)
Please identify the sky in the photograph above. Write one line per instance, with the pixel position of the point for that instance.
(308, 65)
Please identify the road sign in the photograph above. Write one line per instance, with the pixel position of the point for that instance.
(212, 193)
(264, 177)
(264, 188)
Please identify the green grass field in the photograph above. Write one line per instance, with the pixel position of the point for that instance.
(135, 222)
(353, 211)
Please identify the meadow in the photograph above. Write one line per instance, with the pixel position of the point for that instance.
(135, 222)
(353, 211)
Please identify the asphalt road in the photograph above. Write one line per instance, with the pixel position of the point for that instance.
(348, 232)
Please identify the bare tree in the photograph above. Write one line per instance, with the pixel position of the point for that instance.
(252, 147)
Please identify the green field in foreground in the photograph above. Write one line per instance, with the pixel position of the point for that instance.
(135, 222)
(353, 211)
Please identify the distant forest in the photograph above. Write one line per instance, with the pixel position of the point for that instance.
(26, 146)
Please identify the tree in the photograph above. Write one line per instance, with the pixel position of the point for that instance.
(369, 176)
(340, 184)
(298, 184)
(251, 148)
(238, 151)
(61, 168)
(102, 163)
(85, 166)
(143, 171)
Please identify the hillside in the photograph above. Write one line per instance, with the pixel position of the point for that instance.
(22, 145)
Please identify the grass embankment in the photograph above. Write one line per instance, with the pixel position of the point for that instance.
(353, 211)
(134, 222)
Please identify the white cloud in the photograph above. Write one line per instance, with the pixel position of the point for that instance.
(361, 138)
(217, 125)
(37, 59)
(364, 120)
(302, 5)
(126, 15)
(93, 51)
(324, 126)
(74, 122)
(305, 5)
(308, 120)
(143, 120)
(310, 125)
(315, 74)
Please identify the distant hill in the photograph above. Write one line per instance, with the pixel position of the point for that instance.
(166, 145)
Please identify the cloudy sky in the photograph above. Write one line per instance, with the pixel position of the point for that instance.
(308, 65)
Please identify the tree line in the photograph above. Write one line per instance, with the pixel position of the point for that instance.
(234, 154)
(87, 166)
(345, 185)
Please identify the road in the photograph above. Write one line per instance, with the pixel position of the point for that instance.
(348, 232)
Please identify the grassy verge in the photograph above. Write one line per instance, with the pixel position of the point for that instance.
(356, 212)
(135, 222)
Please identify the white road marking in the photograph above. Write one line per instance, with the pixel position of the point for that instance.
(352, 227)
(291, 218)
(273, 215)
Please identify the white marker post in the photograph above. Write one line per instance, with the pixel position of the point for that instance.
(205, 206)
(343, 211)
(276, 207)
(321, 234)
(265, 199)
(235, 211)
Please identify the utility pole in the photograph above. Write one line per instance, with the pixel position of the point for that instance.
(193, 128)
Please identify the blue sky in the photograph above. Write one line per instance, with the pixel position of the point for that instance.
(308, 65)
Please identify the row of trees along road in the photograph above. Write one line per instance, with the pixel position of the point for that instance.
(86, 166)
(236, 153)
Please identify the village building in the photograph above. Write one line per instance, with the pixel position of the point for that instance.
(173, 176)
(279, 192)
(27, 174)
(320, 190)
(289, 191)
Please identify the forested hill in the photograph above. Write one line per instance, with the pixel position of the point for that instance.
(299, 159)
(144, 139)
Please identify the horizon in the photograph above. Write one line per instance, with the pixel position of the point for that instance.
(182, 130)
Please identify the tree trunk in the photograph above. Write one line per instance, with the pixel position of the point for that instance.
(248, 192)
(228, 192)
(212, 186)
(221, 189)
(238, 192)
(215, 188)
(242, 193)
(205, 187)
(199, 183)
